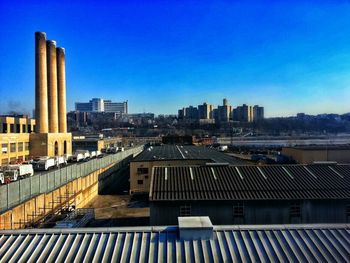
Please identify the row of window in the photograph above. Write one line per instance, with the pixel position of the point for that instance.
(13, 147)
(238, 210)
(16, 128)
(13, 160)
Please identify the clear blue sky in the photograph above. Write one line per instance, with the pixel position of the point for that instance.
(162, 55)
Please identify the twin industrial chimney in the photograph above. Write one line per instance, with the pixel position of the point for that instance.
(50, 86)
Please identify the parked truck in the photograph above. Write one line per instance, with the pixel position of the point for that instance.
(60, 161)
(2, 177)
(223, 148)
(99, 154)
(77, 157)
(18, 171)
(44, 163)
(93, 154)
(85, 153)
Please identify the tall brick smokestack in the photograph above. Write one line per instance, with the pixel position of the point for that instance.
(61, 83)
(41, 104)
(52, 85)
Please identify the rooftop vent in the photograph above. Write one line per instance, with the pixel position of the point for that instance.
(195, 228)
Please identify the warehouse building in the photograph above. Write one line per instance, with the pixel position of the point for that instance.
(277, 243)
(171, 155)
(251, 194)
(325, 153)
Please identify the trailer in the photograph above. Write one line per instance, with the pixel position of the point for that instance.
(44, 164)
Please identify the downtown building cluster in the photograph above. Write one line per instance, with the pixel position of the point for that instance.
(206, 113)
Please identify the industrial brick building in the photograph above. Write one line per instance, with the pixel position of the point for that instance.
(171, 155)
(310, 154)
(251, 194)
(14, 138)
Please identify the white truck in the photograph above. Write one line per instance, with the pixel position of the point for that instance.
(60, 161)
(93, 154)
(99, 154)
(77, 157)
(112, 150)
(223, 148)
(44, 164)
(81, 155)
(2, 178)
(15, 171)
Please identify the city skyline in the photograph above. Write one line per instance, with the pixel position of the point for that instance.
(296, 59)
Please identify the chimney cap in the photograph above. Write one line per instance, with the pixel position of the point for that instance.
(51, 41)
(40, 33)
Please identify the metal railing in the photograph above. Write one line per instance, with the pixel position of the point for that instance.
(20, 191)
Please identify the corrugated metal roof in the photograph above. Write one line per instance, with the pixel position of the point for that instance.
(189, 152)
(251, 182)
(301, 243)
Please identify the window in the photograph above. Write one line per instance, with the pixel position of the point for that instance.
(64, 147)
(139, 181)
(26, 146)
(238, 209)
(13, 160)
(20, 146)
(18, 128)
(185, 210)
(29, 128)
(4, 148)
(12, 128)
(12, 147)
(24, 128)
(142, 170)
(4, 161)
(295, 210)
(4, 127)
(347, 210)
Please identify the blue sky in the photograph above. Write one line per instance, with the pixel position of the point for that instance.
(162, 55)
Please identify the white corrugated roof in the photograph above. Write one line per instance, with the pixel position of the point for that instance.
(276, 243)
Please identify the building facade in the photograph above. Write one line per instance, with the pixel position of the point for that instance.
(15, 139)
(322, 153)
(290, 194)
(101, 105)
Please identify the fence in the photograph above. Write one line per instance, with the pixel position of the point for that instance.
(17, 192)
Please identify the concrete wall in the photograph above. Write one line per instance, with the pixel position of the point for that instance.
(255, 212)
(32, 198)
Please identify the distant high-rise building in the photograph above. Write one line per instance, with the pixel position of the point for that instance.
(100, 105)
(110, 106)
(224, 112)
(258, 113)
(205, 111)
(243, 113)
(191, 113)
